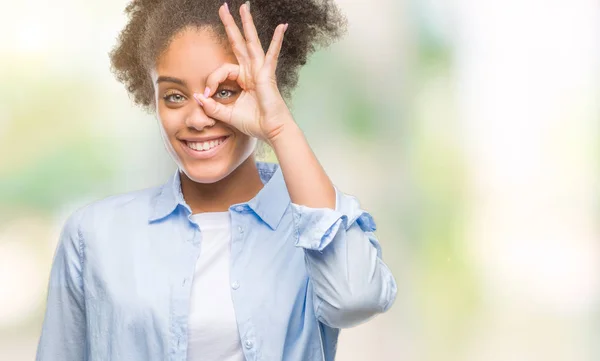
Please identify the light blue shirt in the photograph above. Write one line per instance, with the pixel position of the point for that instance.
(120, 281)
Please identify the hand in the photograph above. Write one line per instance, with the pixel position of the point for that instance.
(259, 110)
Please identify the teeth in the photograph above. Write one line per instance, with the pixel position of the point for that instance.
(203, 146)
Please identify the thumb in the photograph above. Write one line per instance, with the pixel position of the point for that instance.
(214, 109)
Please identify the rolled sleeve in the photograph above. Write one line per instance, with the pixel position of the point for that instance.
(315, 228)
(351, 283)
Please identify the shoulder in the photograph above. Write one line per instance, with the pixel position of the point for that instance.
(131, 205)
(266, 169)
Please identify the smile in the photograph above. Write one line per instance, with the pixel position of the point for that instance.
(205, 149)
(204, 146)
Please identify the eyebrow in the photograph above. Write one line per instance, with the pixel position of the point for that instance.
(171, 80)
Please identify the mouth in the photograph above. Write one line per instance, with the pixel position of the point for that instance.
(205, 149)
(207, 145)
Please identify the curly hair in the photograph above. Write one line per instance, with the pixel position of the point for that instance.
(153, 24)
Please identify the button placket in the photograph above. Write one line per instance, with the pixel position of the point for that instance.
(181, 295)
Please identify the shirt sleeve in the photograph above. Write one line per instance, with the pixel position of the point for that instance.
(351, 282)
(64, 327)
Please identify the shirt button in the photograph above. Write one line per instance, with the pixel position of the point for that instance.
(248, 344)
(235, 285)
(240, 229)
(239, 209)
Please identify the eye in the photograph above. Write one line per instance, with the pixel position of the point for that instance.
(224, 94)
(173, 98)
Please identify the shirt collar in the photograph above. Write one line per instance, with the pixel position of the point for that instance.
(273, 199)
(167, 199)
(269, 204)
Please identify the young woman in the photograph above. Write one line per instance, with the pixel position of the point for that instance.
(231, 259)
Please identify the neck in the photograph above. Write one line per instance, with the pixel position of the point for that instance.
(238, 187)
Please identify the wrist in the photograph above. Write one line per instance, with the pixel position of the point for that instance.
(286, 129)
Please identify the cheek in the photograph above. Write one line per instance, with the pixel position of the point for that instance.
(246, 145)
(169, 121)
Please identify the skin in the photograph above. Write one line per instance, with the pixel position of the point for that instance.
(230, 89)
(183, 69)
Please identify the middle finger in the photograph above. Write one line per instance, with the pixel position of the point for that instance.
(255, 49)
(238, 44)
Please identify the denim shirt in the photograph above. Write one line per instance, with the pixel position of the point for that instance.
(120, 281)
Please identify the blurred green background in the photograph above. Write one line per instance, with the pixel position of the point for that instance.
(468, 129)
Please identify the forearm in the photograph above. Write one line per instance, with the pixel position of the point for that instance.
(343, 261)
(305, 178)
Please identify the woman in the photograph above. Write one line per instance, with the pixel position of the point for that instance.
(231, 259)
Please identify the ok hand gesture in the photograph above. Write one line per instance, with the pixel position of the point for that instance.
(260, 110)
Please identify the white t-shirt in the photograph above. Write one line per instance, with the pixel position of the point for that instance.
(213, 333)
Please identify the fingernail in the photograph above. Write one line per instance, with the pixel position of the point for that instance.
(198, 100)
(226, 6)
(206, 92)
(248, 5)
(286, 26)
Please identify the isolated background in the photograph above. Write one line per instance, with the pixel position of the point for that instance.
(468, 128)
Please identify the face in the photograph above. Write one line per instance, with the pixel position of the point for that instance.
(205, 149)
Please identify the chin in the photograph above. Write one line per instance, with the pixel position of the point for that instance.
(207, 173)
(218, 168)
(217, 165)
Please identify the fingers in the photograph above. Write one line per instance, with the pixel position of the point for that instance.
(226, 71)
(211, 107)
(238, 44)
(214, 109)
(255, 50)
(249, 50)
(274, 48)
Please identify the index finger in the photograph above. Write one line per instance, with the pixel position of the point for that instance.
(238, 44)
(224, 72)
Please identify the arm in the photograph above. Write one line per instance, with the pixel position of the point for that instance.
(64, 328)
(343, 256)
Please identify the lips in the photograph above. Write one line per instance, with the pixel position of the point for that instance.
(205, 148)
(206, 145)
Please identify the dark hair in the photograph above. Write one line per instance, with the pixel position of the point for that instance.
(153, 23)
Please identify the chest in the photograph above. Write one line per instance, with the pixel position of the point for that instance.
(150, 271)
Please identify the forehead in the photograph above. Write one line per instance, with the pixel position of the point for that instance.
(193, 54)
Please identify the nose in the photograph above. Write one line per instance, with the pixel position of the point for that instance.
(197, 119)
